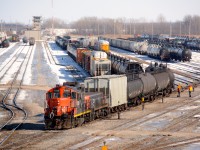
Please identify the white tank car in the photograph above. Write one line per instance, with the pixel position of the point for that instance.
(153, 50)
(85, 42)
(142, 47)
(133, 46)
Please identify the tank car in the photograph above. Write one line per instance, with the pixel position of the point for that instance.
(31, 41)
(141, 47)
(5, 43)
(121, 65)
(158, 52)
(25, 40)
(181, 54)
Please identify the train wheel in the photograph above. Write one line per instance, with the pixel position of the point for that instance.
(164, 92)
(138, 102)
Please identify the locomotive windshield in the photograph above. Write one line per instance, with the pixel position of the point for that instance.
(56, 94)
(66, 93)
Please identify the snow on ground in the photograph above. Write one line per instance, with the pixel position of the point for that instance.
(62, 59)
(14, 68)
(28, 74)
(4, 50)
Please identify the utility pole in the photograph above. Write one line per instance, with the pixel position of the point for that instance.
(16, 27)
(52, 25)
(134, 28)
(152, 31)
(1, 25)
(130, 27)
(98, 29)
(114, 28)
(189, 28)
(104, 28)
(180, 29)
(170, 29)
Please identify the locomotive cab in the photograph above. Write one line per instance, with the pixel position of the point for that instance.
(58, 101)
(60, 105)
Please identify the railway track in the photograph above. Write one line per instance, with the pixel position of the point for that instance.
(78, 76)
(130, 125)
(5, 66)
(50, 57)
(3, 50)
(17, 114)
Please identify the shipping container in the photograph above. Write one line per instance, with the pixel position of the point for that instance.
(114, 88)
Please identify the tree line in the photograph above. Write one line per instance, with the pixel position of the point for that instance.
(189, 25)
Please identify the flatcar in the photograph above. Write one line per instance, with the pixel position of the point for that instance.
(69, 106)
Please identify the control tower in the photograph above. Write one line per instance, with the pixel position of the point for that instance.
(37, 22)
(35, 30)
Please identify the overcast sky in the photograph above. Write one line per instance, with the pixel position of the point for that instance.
(71, 10)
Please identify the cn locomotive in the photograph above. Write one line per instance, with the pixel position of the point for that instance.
(68, 106)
